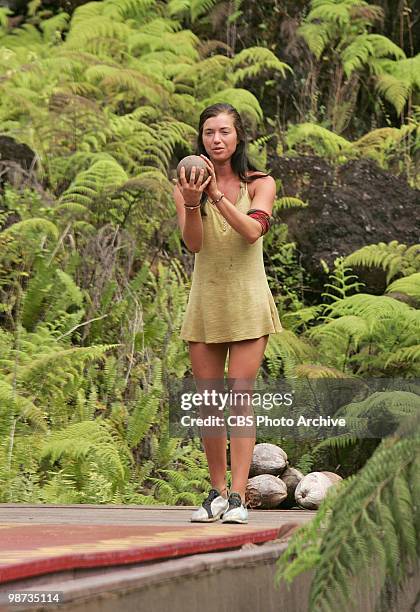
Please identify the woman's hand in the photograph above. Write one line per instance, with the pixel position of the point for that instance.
(191, 191)
(212, 189)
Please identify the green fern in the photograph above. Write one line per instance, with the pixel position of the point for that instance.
(393, 258)
(371, 515)
(85, 442)
(409, 285)
(289, 202)
(341, 281)
(397, 80)
(367, 46)
(283, 353)
(259, 59)
(321, 140)
(145, 410)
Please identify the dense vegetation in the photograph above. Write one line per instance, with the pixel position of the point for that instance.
(94, 277)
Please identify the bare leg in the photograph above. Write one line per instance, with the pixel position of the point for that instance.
(245, 359)
(208, 362)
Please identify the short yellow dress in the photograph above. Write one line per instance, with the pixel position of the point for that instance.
(230, 298)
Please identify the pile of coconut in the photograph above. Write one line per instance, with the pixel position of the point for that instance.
(273, 483)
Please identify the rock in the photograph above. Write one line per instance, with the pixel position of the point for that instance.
(265, 491)
(372, 198)
(313, 487)
(403, 297)
(267, 459)
(291, 478)
(17, 158)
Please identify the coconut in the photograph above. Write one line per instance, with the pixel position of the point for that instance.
(291, 478)
(188, 163)
(267, 459)
(313, 487)
(265, 491)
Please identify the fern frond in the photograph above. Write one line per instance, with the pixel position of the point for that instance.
(44, 364)
(54, 25)
(84, 441)
(258, 59)
(289, 202)
(145, 410)
(306, 370)
(381, 138)
(285, 351)
(338, 442)
(329, 11)
(371, 514)
(364, 497)
(392, 257)
(410, 285)
(369, 307)
(404, 355)
(321, 140)
(316, 36)
(365, 46)
(21, 406)
(242, 99)
(122, 10)
(32, 227)
(82, 31)
(394, 90)
(193, 8)
(348, 326)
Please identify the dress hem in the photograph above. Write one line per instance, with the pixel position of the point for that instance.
(246, 337)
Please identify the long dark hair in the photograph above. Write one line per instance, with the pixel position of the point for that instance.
(239, 160)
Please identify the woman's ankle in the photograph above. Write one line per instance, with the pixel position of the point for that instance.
(224, 492)
(242, 495)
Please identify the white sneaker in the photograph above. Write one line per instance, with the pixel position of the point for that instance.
(211, 509)
(236, 512)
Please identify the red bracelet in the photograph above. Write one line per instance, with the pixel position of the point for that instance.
(262, 216)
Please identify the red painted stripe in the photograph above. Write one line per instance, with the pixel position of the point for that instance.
(187, 545)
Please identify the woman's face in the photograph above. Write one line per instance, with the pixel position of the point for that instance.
(219, 137)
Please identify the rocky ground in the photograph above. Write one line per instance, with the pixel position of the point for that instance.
(350, 206)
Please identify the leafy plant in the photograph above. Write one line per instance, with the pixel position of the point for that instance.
(372, 516)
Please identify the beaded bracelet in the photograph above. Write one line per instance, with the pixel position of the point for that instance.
(262, 217)
(262, 221)
(262, 212)
(218, 200)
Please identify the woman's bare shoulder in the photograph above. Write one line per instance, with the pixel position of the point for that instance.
(255, 173)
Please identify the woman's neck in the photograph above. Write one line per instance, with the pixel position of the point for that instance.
(224, 172)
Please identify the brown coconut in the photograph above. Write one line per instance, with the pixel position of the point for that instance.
(265, 491)
(313, 488)
(267, 459)
(188, 163)
(291, 478)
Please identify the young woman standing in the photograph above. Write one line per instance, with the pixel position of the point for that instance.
(230, 307)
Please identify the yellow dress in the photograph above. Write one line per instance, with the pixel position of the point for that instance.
(230, 298)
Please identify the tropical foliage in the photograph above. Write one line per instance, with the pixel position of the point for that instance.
(366, 529)
(94, 277)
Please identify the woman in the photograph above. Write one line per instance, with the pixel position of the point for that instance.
(230, 307)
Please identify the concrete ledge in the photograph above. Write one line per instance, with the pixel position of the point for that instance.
(240, 580)
(226, 581)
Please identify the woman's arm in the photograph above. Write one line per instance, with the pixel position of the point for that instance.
(249, 228)
(190, 223)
